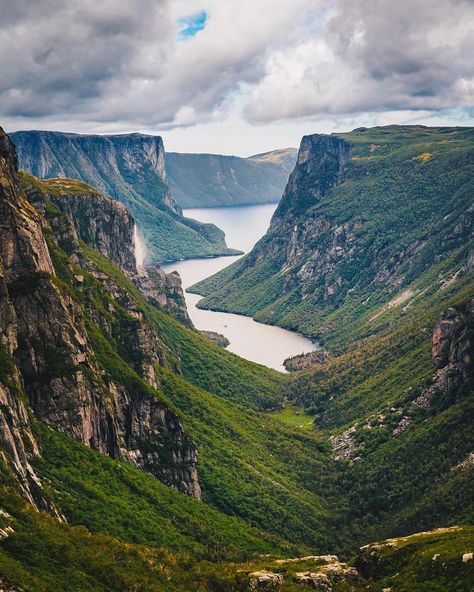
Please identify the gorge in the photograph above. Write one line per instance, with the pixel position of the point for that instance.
(264, 344)
(137, 454)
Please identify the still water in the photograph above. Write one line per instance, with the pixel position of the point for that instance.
(264, 344)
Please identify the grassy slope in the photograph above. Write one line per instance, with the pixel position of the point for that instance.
(250, 465)
(69, 557)
(402, 185)
(169, 236)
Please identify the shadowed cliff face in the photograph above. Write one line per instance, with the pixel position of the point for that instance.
(319, 168)
(47, 323)
(453, 350)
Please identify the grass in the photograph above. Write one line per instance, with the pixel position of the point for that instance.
(404, 211)
(294, 416)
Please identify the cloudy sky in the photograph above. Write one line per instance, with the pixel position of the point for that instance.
(234, 76)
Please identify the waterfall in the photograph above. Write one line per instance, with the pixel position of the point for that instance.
(140, 248)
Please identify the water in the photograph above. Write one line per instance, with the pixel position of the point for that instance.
(264, 344)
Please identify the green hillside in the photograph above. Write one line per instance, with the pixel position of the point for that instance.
(206, 180)
(111, 410)
(370, 221)
(131, 169)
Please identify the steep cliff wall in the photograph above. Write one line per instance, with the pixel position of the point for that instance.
(366, 221)
(63, 317)
(131, 169)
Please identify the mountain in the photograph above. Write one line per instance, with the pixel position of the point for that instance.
(135, 454)
(131, 169)
(371, 252)
(370, 221)
(206, 180)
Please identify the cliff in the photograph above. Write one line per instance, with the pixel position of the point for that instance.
(62, 317)
(207, 180)
(366, 220)
(131, 169)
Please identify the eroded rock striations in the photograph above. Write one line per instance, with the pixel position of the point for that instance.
(51, 312)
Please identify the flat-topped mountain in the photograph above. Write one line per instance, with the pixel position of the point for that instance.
(131, 169)
(137, 454)
(205, 180)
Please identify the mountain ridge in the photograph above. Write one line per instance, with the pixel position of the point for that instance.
(207, 180)
(114, 411)
(332, 243)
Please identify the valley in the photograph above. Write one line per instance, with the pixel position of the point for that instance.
(237, 296)
(136, 453)
(264, 344)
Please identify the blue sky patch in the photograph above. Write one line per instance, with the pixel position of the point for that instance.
(189, 26)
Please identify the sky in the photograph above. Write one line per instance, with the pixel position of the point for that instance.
(234, 77)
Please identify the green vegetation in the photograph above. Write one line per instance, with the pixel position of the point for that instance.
(271, 487)
(115, 498)
(294, 416)
(401, 225)
(206, 180)
(250, 465)
(68, 557)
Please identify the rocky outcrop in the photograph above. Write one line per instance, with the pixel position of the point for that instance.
(453, 347)
(76, 211)
(131, 169)
(47, 348)
(22, 251)
(322, 572)
(102, 223)
(452, 354)
(320, 167)
(165, 289)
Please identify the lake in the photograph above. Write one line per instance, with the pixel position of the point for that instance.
(264, 344)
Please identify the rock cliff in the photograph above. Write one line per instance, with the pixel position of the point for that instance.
(68, 328)
(364, 217)
(131, 169)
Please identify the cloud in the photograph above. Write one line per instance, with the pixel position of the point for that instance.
(373, 56)
(164, 64)
(113, 61)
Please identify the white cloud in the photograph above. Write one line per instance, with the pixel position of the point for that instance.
(373, 56)
(83, 65)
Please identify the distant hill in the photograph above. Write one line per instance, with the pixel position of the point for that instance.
(205, 180)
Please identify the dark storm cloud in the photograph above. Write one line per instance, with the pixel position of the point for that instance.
(60, 56)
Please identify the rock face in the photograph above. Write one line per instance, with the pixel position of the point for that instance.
(204, 180)
(360, 220)
(131, 169)
(101, 222)
(47, 348)
(453, 347)
(165, 289)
